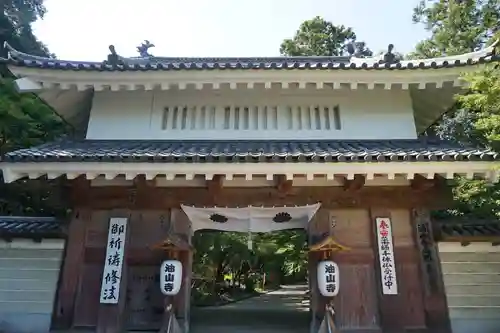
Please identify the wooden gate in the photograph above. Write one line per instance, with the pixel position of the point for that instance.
(144, 300)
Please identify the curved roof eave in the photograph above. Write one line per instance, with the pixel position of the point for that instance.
(20, 59)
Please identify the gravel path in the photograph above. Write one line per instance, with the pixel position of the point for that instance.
(282, 310)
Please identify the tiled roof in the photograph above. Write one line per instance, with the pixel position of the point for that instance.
(424, 149)
(18, 58)
(30, 227)
(471, 230)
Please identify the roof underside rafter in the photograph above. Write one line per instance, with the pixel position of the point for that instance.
(170, 159)
(166, 73)
(150, 63)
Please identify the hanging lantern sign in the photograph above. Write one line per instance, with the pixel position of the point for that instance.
(328, 278)
(171, 277)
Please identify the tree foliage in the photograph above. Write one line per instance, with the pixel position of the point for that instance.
(318, 37)
(483, 100)
(24, 120)
(461, 26)
(280, 256)
(15, 25)
(23, 12)
(456, 26)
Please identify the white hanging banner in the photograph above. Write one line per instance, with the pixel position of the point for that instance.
(328, 278)
(250, 219)
(386, 256)
(170, 277)
(111, 278)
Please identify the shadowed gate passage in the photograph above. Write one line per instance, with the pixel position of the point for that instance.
(282, 310)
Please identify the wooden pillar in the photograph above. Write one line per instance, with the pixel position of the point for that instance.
(436, 308)
(315, 298)
(187, 264)
(183, 299)
(110, 317)
(71, 269)
(403, 311)
(317, 226)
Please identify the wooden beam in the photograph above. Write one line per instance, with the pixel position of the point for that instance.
(419, 183)
(283, 185)
(215, 185)
(330, 197)
(71, 269)
(434, 296)
(79, 187)
(354, 184)
(142, 187)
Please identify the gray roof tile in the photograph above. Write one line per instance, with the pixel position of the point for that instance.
(30, 227)
(423, 149)
(18, 58)
(476, 228)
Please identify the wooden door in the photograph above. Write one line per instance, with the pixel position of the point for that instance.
(144, 299)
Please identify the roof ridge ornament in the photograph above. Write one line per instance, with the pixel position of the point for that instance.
(389, 56)
(143, 49)
(113, 58)
(355, 49)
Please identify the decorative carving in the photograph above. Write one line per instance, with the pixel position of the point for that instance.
(282, 217)
(355, 49)
(143, 49)
(218, 218)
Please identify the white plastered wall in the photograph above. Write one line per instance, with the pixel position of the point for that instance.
(364, 114)
(472, 280)
(29, 272)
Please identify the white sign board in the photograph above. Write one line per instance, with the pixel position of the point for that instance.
(170, 277)
(328, 278)
(386, 256)
(111, 278)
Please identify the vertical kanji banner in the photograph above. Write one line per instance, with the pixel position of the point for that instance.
(115, 248)
(386, 256)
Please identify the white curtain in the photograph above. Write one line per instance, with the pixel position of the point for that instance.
(250, 219)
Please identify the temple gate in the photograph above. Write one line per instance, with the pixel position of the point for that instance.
(155, 135)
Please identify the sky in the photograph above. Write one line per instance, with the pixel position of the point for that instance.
(203, 28)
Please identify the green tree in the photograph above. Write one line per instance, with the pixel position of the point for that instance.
(318, 37)
(221, 254)
(15, 25)
(22, 12)
(484, 100)
(25, 120)
(461, 26)
(456, 26)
